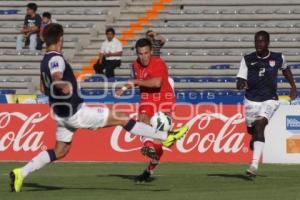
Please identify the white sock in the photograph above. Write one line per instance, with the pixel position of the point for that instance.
(257, 152)
(148, 131)
(36, 163)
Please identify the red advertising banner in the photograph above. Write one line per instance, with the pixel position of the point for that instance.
(217, 134)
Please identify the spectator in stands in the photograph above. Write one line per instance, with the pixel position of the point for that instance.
(30, 30)
(46, 20)
(157, 41)
(110, 54)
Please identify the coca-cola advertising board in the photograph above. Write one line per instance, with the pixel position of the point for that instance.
(216, 134)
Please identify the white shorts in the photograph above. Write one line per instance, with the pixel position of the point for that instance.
(86, 118)
(254, 110)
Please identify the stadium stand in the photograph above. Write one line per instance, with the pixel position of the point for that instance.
(205, 39)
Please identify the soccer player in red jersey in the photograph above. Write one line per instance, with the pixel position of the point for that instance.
(157, 94)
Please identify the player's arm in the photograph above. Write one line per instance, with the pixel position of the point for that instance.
(128, 85)
(287, 73)
(64, 86)
(289, 77)
(156, 77)
(241, 84)
(155, 82)
(57, 68)
(242, 76)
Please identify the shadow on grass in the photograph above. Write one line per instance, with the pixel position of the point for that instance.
(129, 177)
(35, 187)
(39, 187)
(235, 176)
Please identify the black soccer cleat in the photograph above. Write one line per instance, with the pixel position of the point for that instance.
(144, 177)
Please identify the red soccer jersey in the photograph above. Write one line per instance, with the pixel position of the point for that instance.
(163, 98)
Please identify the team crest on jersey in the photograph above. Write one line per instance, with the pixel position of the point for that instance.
(272, 63)
(54, 64)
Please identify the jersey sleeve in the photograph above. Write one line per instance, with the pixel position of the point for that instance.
(284, 65)
(243, 71)
(56, 64)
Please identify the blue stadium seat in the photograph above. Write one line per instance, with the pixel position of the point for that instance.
(225, 79)
(4, 91)
(102, 79)
(220, 66)
(281, 80)
(206, 79)
(9, 12)
(294, 66)
(185, 79)
(283, 92)
(297, 79)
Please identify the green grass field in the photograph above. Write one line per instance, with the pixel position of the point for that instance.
(174, 181)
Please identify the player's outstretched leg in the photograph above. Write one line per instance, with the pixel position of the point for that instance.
(42, 159)
(142, 129)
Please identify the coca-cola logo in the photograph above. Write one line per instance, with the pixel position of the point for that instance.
(24, 137)
(225, 139)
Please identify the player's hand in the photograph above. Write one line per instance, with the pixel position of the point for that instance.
(130, 82)
(293, 93)
(242, 84)
(67, 89)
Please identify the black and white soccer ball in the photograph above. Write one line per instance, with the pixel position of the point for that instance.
(161, 121)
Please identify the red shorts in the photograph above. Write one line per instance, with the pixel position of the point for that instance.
(149, 108)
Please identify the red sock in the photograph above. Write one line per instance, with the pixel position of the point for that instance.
(154, 162)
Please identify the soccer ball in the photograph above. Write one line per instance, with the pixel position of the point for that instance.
(161, 121)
